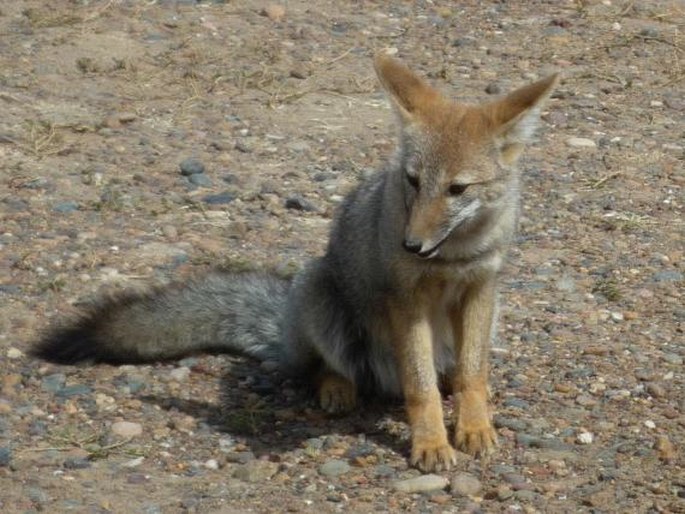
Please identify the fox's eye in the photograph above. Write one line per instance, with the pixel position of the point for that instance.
(413, 181)
(457, 189)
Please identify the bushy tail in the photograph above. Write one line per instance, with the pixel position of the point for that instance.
(220, 312)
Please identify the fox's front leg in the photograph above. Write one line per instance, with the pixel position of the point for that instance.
(431, 450)
(473, 323)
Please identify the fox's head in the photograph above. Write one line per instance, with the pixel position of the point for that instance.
(457, 159)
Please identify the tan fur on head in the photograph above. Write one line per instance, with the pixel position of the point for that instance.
(509, 121)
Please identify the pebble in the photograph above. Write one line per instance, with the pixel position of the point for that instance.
(299, 204)
(127, 429)
(14, 353)
(585, 438)
(53, 383)
(74, 390)
(77, 463)
(514, 424)
(493, 89)
(516, 403)
(179, 374)
(334, 468)
(580, 142)
(383, 471)
(668, 276)
(465, 484)
(5, 456)
(256, 471)
(420, 484)
(211, 464)
(219, 199)
(191, 166)
(672, 358)
(65, 207)
(200, 179)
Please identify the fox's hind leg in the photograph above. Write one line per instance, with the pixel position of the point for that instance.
(336, 393)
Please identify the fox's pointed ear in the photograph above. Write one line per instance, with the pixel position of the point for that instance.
(410, 93)
(515, 116)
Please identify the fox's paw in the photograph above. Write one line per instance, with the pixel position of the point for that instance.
(433, 456)
(337, 395)
(477, 442)
(474, 433)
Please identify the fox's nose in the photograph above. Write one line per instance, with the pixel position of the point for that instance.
(412, 246)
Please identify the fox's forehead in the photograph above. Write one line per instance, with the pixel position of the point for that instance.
(454, 139)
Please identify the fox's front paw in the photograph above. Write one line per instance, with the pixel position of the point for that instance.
(477, 441)
(337, 395)
(432, 455)
(474, 433)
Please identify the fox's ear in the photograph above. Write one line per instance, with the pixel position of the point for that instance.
(515, 116)
(410, 93)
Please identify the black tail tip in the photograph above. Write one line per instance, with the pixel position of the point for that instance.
(66, 346)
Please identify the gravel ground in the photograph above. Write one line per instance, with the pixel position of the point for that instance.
(147, 141)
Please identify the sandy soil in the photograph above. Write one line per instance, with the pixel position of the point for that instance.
(101, 102)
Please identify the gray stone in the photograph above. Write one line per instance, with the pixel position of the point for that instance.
(200, 179)
(514, 424)
(77, 463)
(191, 167)
(5, 456)
(465, 484)
(219, 199)
(421, 484)
(516, 403)
(672, 358)
(74, 390)
(66, 207)
(53, 383)
(334, 468)
(668, 276)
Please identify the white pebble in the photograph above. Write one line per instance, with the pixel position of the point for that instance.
(14, 353)
(212, 464)
(617, 316)
(585, 438)
(650, 424)
(581, 142)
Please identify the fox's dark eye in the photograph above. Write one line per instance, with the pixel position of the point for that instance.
(413, 181)
(457, 189)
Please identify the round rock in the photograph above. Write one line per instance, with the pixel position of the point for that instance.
(191, 167)
(465, 484)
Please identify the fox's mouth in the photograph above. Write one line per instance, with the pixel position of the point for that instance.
(433, 251)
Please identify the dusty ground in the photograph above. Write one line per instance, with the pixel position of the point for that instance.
(100, 102)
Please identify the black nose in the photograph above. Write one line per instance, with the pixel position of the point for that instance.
(412, 246)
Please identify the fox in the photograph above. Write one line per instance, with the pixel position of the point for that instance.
(403, 302)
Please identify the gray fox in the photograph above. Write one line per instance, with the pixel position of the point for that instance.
(405, 297)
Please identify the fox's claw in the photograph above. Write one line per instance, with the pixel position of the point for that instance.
(433, 457)
(478, 442)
